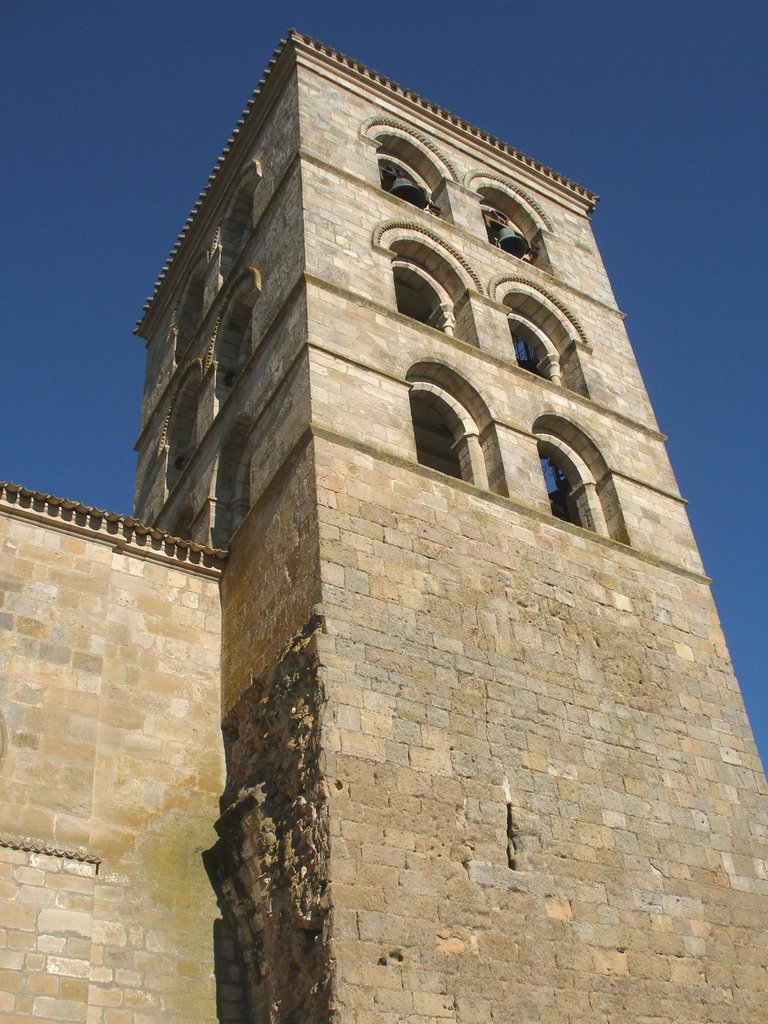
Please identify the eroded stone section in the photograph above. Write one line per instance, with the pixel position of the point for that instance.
(269, 866)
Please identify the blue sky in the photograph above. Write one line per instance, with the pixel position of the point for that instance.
(114, 114)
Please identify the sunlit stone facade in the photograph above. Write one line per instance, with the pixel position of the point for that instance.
(484, 758)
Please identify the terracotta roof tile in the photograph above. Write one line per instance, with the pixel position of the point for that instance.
(128, 529)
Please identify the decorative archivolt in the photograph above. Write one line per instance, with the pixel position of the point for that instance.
(368, 132)
(195, 366)
(473, 178)
(443, 376)
(551, 427)
(498, 286)
(403, 228)
(245, 288)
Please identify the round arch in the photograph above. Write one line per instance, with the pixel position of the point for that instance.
(595, 491)
(404, 238)
(244, 291)
(437, 372)
(238, 216)
(403, 143)
(478, 441)
(188, 314)
(533, 218)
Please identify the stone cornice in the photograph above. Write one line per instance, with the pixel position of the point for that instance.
(480, 353)
(122, 532)
(545, 518)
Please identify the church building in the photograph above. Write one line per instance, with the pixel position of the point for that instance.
(401, 697)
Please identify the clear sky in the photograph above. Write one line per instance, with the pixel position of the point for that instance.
(114, 113)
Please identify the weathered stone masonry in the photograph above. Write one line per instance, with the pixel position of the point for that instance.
(482, 755)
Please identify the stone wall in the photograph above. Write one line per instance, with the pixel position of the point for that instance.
(544, 799)
(111, 770)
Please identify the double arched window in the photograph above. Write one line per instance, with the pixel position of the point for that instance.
(455, 434)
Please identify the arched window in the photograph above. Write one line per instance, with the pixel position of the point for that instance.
(550, 344)
(533, 351)
(405, 184)
(578, 483)
(420, 297)
(430, 287)
(232, 493)
(453, 430)
(509, 225)
(190, 312)
(234, 230)
(181, 432)
(405, 171)
(560, 491)
(439, 434)
(504, 234)
(231, 342)
(232, 348)
(238, 220)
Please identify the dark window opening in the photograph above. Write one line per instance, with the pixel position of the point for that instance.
(559, 491)
(435, 443)
(190, 315)
(511, 844)
(504, 236)
(232, 349)
(235, 231)
(416, 299)
(526, 357)
(182, 527)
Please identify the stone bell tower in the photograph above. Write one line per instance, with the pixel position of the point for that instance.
(486, 757)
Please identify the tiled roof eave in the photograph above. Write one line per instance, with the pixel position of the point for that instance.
(297, 38)
(585, 194)
(124, 531)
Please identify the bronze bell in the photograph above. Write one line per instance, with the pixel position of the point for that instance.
(408, 190)
(510, 241)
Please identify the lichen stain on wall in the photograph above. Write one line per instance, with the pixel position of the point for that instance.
(180, 908)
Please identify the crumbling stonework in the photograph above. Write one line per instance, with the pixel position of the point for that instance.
(271, 861)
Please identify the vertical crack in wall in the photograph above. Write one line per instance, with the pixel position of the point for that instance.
(269, 866)
(511, 844)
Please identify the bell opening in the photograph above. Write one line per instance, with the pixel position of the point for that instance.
(510, 241)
